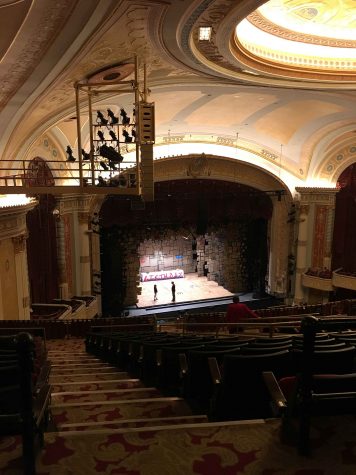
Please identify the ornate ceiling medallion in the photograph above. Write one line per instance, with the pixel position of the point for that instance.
(296, 35)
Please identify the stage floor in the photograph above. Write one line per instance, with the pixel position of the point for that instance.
(188, 289)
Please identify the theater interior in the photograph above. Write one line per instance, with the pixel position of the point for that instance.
(157, 159)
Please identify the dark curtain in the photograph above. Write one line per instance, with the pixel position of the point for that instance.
(344, 239)
(113, 282)
(257, 256)
(42, 251)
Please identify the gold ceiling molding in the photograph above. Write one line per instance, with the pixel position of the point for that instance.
(117, 40)
(32, 44)
(266, 25)
(9, 3)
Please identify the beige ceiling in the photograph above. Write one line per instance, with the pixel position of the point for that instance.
(200, 89)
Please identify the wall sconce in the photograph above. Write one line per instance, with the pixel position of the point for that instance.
(56, 214)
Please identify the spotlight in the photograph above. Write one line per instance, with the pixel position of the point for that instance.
(101, 119)
(85, 155)
(101, 181)
(124, 118)
(112, 165)
(104, 166)
(128, 139)
(101, 136)
(111, 154)
(114, 119)
(69, 152)
(112, 135)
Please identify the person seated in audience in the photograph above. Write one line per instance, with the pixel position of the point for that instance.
(238, 311)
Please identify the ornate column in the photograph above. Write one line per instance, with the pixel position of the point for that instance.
(73, 245)
(84, 251)
(278, 252)
(61, 260)
(22, 280)
(316, 223)
(14, 281)
(301, 261)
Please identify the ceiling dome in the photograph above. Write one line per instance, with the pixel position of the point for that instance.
(299, 37)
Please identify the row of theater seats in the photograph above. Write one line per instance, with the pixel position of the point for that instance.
(221, 376)
(24, 392)
(58, 329)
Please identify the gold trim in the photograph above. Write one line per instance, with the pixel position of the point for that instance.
(262, 23)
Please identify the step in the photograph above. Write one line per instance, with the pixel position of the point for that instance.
(96, 386)
(205, 449)
(120, 424)
(80, 359)
(58, 371)
(66, 353)
(88, 377)
(119, 409)
(80, 365)
(104, 395)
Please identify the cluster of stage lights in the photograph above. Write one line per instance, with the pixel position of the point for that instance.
(109, 147)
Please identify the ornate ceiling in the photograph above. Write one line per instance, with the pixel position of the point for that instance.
(296, 121)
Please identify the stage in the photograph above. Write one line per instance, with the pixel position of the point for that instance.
(188, 289)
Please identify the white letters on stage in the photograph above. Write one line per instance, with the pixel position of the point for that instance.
(162, 275)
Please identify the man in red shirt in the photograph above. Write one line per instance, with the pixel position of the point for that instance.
(237, 311)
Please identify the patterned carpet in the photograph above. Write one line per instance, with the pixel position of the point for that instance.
(152, 436)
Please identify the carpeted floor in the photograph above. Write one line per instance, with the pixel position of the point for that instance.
(151, 435)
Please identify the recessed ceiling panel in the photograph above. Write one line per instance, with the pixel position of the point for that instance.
(12, 15)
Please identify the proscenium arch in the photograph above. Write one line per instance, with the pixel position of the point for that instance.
(208, 166)
(256, 161)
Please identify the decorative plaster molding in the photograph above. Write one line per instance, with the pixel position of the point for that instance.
(218, 168)
(304, 209)
(72, 203)
(13, 220)
(19, 243)
(314, 282)
(83, 217)
(35, 42)
(262, 23)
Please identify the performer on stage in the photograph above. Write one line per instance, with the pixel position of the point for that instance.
(173, 292)
(155, 291)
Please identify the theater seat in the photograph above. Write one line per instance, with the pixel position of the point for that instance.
(240, 393)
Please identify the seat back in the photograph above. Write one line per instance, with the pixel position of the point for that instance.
(243, 392)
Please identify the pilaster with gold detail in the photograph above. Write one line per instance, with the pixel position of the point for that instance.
(73, 245)
(14, 280)
(316, 221)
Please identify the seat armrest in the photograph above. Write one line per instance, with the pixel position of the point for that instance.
(183, 365)
(159, 357)
(274, 390)
(214, 371)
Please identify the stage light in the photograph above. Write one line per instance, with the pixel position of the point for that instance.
(101, 136)
(124, 118)
(69, 152)
(104, 166)
(111, 154)
(112, 135)
(113, 118)
(100, 119)
(101, 181)
(85, 155)
(112, 165)
(128, 139)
